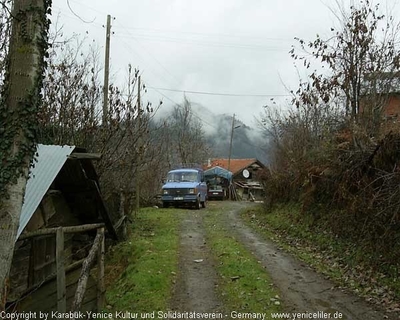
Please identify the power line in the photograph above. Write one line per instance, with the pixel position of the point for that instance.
(222, 94)
(131, 50)
(89, 7)
(165, 96)
(61, 11)
(151, 55)
(203, 34)
(76, 15)
(206, 43)
(158, 31)
(193, 113)
(196, 34)
(202, 120)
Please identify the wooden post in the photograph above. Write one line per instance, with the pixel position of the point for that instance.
(230, 144)
(139, 155)
(83, 279)
(106, 71)
(61, 294)
(100, 269)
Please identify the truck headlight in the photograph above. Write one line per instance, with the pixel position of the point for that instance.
(165, 191)
(192, 191)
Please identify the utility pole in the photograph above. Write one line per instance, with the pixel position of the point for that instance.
(230, 145)
(106, 70)
(139, 155)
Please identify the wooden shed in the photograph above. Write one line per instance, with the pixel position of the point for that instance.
(62, 214)
(246, 180)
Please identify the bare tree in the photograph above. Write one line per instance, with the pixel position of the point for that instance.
(70, 107)
(363, 48)
(19, 103)
(187, 135)
(329, 150)
(71, 114)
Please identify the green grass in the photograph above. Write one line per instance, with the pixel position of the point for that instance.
(347, 263)
(141, 270)
(244, 284)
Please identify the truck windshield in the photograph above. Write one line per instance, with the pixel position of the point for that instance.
(182, 177)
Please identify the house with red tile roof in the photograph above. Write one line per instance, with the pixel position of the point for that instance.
(236, 166)
(245, 176)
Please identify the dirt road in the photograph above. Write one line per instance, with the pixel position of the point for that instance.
(302, 289)
(196, 281)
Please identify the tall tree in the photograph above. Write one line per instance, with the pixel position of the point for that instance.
(19, 101)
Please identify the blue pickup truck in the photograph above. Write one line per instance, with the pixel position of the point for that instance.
(185, 187)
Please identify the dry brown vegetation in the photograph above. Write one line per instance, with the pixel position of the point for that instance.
(334, 151)
(136, 148)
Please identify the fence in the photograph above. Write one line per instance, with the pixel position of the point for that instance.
(97, 250)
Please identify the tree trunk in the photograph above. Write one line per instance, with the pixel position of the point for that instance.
(19, 103)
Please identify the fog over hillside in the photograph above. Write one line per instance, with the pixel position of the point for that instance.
(248, 142)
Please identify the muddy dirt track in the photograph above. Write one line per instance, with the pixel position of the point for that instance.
(195, 287)
(301, 288)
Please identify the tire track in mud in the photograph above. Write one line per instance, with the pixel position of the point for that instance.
(196, 279)
(302, 289)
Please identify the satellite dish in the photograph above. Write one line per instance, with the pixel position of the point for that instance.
(246, 173)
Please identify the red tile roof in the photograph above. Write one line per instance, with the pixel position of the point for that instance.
(236, 164)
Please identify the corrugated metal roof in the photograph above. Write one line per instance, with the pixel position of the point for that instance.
(48, 164)
(218, 171)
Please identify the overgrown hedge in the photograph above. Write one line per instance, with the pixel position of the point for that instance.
(355, 194)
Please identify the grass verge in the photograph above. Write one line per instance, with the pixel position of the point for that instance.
(349, 264)
(141, 270)
(244, 285)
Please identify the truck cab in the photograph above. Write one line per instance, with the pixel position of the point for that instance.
(185, 187)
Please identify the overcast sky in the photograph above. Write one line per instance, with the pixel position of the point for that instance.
(220, 46)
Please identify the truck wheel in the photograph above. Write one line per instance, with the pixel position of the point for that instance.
(197, 205)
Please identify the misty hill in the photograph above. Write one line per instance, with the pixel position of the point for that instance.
(247, 141)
